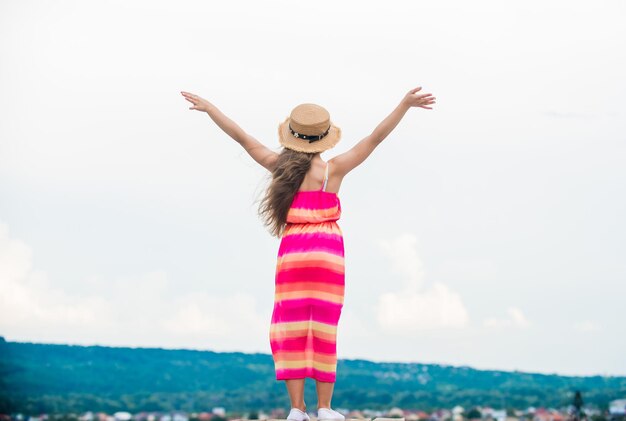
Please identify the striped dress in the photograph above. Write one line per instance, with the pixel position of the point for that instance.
(309, 288)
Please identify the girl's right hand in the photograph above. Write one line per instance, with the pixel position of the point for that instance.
(412, 99)
(199, 104)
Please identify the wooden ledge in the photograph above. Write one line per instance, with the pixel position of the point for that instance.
(347, 419)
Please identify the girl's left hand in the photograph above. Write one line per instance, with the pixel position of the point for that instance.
(199, 104)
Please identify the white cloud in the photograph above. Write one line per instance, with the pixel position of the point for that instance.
(28, 301)
(205, 314)
(142, 310)
(436, 307)
(516, 319)
(417, 306)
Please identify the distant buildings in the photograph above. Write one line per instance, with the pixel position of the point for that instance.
(616, 412)
(219, 410)
(617, 408)
(122, 416)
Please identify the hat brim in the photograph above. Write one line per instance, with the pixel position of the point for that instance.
(289, 141)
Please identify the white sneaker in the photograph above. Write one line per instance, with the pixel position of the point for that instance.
(298, 415)
(329, 414)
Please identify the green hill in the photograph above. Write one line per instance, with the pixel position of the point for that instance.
(49, 378)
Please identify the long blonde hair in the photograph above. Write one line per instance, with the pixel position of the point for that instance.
(287, 177)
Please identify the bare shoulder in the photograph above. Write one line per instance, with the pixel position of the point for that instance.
(334, 176)
(337, 165)
(333, 163)
(259, 152)
(353, 157)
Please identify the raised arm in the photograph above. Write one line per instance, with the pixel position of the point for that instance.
(259, 152)
(347, 161)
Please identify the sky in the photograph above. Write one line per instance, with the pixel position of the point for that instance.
(488, 231)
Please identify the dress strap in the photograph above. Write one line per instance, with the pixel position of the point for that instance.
(325, 178)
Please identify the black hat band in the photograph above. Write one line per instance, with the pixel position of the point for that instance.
(310, 138)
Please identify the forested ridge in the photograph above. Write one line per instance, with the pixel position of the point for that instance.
(49, 378)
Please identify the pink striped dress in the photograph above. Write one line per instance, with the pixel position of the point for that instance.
(309, 288)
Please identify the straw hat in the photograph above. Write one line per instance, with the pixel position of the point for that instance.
(308, 129)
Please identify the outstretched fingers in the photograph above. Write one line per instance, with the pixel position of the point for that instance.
(191, 98)
(195, 104)
(424, 104)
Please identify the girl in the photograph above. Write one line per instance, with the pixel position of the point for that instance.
(301, 206)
